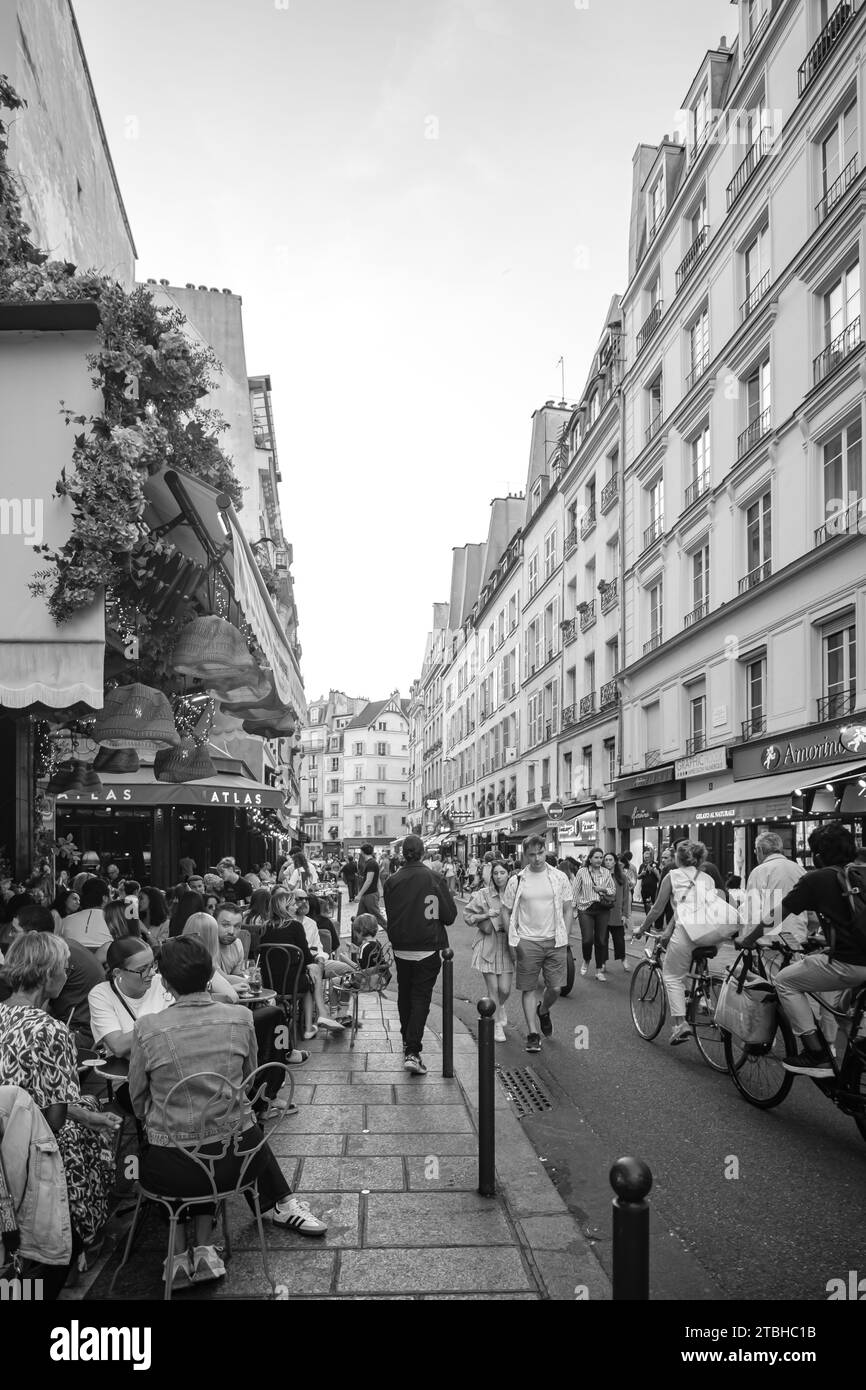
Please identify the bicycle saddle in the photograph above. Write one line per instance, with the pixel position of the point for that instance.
(704, 952)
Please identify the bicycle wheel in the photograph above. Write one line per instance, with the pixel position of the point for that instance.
(647, 999)
(709, 1037)
(853, 1078)
(757, 1072)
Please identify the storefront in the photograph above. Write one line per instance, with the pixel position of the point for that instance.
(640, 800)
(578, 830)
(490, 834)
(146, 827)
(789, 785)
(702, 774)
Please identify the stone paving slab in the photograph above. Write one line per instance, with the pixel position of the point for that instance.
(352, 1175)
(419, 1143)
(347, 1095)
(449, 1174)
(432, 1271)
(436, 1219)
(429, 1091)
(335, 1118)
(287, 1143)
(406, 1119)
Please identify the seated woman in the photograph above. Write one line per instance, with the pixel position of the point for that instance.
(133, 989)
(37, 1053)
(284, 930)
(186, 904)
(257, 918)
(321, 967)
(201, 1034)
(153, 913)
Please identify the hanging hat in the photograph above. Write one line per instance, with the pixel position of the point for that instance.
(211, 646)
(186, 763)
(89, 779)
(257, 689)
(135, 716)
(275, 726)
(61, 778)
(116, 760)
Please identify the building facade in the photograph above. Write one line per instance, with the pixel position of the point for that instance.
(321, 769)
(376, 779)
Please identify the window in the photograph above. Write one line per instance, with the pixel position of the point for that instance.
(612, 657)
(378, 825)
(697, 723)
(380, 798)
(383, 725)
(837, 150)
(701, 117)
(594, 407)
(759, 535)
(571, 685)
(359, 773)
(842, 304)
(652, 727)
(381, 773)
(701, 580)
(589, 673)
(698, 219)
(314, 714)
(551, 710)
(656, 504)
(843, 475)
(530, 783)
(358, 749)
(755, 10)
(359, 798)
(758, 392)
(536, 497)
(335, 764)
(655, 292)
(551, 629)
(335, 809)
(512, 613)
(700, 459)
(840, 653)
(549, 553)
(382, 750)
(532, 573)
(535, 716)
(586, 756)
(610, 761)
(756, 264)
(699, 341)
(656, 205)
(654, 402)
(756, 680)
(656, 614)
(334, 784)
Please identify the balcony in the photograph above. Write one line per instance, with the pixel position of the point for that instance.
(610, 694)
(587, 705)
(649, 325)
(697, 488)
(610, 493)
(587, 524)
(755, 577)
(569, 716)
(571, 541)
(843, 523)
(545, 791)
(652, 532)
(569, 630)
(697, 371)
(745, 171)
(753, 432)
(825, 43)
(654, 641)
(753, 299)
(753, 727)
(833, 356)
(836, 706)
(700, 141)
(587, 615)
(652, 757)
(692, 256)
(696, 744)
(654, 425)
(756, 38)
(837, 190)
(696, 614)
(610, 595)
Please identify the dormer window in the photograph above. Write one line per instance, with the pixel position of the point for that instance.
(656, 205)
(594, 407)
(536, 497)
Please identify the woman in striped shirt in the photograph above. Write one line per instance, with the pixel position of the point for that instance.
(594, 895)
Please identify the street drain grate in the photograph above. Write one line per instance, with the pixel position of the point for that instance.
(524, 1090)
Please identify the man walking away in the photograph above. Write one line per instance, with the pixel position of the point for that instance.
(368, 898)
(419, 908)
(538, 909)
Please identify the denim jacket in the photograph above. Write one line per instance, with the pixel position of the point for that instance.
(200, 1034)
(37, 1181)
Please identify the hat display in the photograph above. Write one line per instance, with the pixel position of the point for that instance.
(272, 726)
(135, 716)
(61, 778)
(116, 760)
(261, 692)
(188, 762)
(211, 646)
(74, 777)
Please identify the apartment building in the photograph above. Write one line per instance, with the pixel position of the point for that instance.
(459, 672)
(431, 696)
(321, 767)
(376, 781)
(743, 403)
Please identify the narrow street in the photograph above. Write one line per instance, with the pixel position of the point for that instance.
(767, 1234)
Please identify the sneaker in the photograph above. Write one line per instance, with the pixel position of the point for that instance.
(545, 1022)
(625, 965)
(502, 1016)
(330, 1023)
(810, 1063)
(680, 1035)
(182, 1277)
(310, 1033)
(498, 1032)
(276, 1111)
(533, 1042)
(412, 1062)
(583, 968)
(296, 1216)
(600, 975)
(207, 1264)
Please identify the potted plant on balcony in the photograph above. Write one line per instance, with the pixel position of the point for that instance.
(583, 608)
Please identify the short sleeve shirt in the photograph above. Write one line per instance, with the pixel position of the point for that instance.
(536, 914)
(108, 1014)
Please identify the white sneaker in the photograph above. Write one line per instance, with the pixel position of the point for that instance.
(296, 1215)
(502, 1016)
(207, 1264)
(625, 965)
(583, 968)
(330, 1023)
(600, 975)
(498, 1032)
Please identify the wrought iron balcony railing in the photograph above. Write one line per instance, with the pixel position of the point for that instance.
(696, 744)
(692, 256)
(700, 611)
(753, 432)
(697, 488)
(844, 523)
(834, 355)
(610, 596)
(825, 43)
(571, 541)
(755, 576)
(610, 492)
(697, 371)
(654, 425)
(587, 616)
(654, 641)
(756, 155)
(587, 523)
(610, 694)
(568, 716)
(837, 190)
(587, 705)
(754, 726)
(652, 532)
(754, 297)
(837, 705)
(652, 757)
(569, 630)
(649, 325)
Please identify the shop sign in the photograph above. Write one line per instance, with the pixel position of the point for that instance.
(182, 794)
(853, 738)
(701, 764)
(795, 751)
(641, 816)
(645, 779)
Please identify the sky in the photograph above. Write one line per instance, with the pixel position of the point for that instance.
(424, 204)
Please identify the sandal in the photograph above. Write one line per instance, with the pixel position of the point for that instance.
(301, 1058)
(680, 1035)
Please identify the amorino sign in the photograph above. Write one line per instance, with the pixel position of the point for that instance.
(811, 748)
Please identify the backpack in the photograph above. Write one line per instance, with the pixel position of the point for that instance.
(377, 962)
(852, 882)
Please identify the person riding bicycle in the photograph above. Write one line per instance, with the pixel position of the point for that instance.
(685, 877)
(841, 967)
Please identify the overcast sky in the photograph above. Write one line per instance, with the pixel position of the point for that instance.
(423, 203)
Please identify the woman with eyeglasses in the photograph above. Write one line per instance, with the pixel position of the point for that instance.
(132, 990)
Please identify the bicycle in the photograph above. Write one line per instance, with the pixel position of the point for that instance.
(649, 1007)
(756, 1069)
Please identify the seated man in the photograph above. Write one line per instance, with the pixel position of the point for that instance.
(229, 919)
(321, 967)
(842, 966)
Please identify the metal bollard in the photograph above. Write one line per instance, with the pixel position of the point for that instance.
(448, 1012)
(631, 1180)
(486, 1111)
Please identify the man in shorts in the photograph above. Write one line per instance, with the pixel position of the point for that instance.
(538, 909)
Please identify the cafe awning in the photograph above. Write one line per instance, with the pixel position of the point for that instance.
(756, 798)
(142, 789)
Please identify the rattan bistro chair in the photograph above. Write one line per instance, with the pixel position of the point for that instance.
(283, 967)
(233, 1113)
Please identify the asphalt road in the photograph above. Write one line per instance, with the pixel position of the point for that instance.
(793, 1218)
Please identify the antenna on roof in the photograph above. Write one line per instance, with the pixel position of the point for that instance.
(561, 363)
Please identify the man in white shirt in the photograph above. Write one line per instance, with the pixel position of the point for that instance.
(769, 882)
(538, 909)
(88, 926)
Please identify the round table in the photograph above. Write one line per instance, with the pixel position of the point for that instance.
(264, 996)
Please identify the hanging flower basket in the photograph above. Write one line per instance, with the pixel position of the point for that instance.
(188, 762)
(135, 716)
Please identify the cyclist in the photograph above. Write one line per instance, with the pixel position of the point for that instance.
(684, 877)
(841, 967)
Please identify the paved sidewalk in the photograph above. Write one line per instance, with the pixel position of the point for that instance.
(389, 1160)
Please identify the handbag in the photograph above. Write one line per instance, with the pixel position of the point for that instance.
(707, 918)
(746, 1006)
(603, 896)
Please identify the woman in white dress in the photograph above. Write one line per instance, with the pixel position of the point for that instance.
(491, 953)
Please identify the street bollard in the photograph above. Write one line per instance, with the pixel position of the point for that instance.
(486, 1111)
(631, 1180)
(448, 1012)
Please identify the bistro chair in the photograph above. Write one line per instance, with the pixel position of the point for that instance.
(374, 980)
(245, 939)
(283, 968)
(231, 1109)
